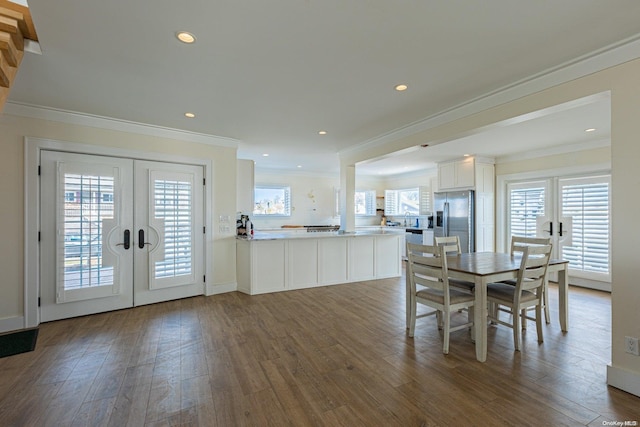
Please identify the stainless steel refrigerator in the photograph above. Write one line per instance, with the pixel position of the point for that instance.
(455, 216)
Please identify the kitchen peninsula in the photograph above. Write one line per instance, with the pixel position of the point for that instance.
(273, 261)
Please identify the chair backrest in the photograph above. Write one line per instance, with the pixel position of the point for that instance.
(427, 267)
(451, 244)
(533, 267)
(518, 242)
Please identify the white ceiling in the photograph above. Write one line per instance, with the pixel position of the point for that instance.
(271, 74)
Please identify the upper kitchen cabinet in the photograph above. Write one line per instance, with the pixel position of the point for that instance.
(468, 173)
(245, 177)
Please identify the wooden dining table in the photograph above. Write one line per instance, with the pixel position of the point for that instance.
(488, 267)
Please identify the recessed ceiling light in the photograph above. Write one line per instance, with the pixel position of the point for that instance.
(186, 37)
(299, 166)
(401, 87)
(190, 115)
(467, 155)
(322, 132)
(590, 130)
(265, 155)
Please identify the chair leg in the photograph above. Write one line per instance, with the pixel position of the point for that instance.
(523, 316)
(412, 316)
(516, 329)
(493, 311)
(545, 297)
(439, 320)
(539, 322)
(447, 326)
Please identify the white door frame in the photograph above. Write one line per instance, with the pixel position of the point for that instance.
(32, 149)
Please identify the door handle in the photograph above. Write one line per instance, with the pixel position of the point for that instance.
(141, 242)
(560, 231)
(127, 240)
(551, 228)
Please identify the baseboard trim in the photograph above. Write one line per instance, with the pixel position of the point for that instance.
(11, 324)
(221, 288)
(623, 379)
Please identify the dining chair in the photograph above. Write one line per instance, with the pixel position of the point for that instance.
(429, 285)
(517, 243)
(451, 246)
(527, 292)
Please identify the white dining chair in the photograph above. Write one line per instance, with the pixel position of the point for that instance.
(451, 246)
(429, 285)
(519, 242)
(527, 292)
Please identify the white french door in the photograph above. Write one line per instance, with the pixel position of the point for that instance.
(575, 212)
(117, 233)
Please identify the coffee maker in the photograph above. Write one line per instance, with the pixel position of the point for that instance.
(244, 227)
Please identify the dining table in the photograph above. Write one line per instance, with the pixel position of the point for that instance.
(483, 268)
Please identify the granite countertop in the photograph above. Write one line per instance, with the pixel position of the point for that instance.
(275, 235)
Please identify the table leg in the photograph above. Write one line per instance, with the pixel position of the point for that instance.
(408, 296)
(563, 298)
(480, 319)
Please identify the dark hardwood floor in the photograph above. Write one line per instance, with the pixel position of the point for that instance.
(330, 356)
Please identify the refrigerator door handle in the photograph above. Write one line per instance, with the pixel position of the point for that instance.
(445, 219)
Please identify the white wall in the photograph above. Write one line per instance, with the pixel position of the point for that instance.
(14, 128)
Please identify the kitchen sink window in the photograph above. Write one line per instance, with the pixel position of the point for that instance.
(272, 200)
(409, 201)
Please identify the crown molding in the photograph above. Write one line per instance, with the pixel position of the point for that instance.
(100, 122)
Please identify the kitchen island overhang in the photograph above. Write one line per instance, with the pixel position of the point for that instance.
(282, 261)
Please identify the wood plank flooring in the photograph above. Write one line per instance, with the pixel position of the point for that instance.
(330, 356)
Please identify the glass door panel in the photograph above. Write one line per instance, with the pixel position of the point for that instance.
(173, 225)
(86, 210)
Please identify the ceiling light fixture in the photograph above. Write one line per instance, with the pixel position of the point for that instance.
(299, 166)
(590, 130)
(189, 115)
(322, 132)
(401, 87)
(265, 155)
(186, 37)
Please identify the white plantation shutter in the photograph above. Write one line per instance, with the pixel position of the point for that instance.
(365, 202)
(173, 207)
(425, 200)
(526, 203)
(587, 201)
(390, 202)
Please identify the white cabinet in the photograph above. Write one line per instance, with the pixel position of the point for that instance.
(303, 264)
(267, 265)
(458, 174)
(427, 237)
(361, 258)
(388, 251)
(294, 263)
(332, 261)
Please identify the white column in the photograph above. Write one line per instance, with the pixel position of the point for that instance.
(347, 198)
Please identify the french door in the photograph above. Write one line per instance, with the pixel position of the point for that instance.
(575, 212)
(117, 233)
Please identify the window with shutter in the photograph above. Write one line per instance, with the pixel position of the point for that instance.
(586, 200)
(526, 203)
(411, 201)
